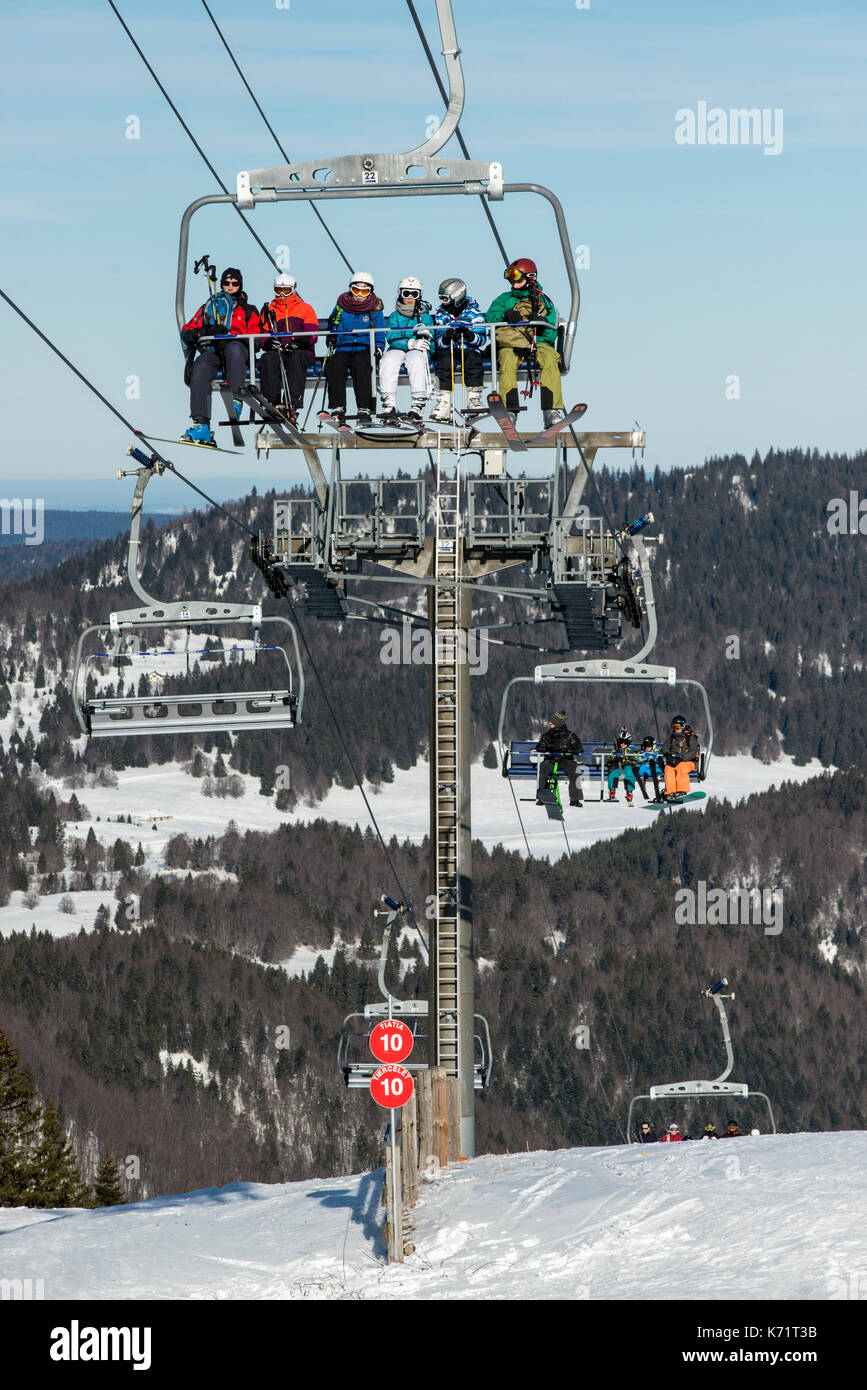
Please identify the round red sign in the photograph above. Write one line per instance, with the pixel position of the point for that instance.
(391, 1086)
(391, 1041)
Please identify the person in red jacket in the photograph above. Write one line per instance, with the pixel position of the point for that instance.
(225, 313)
(672, 1135)
(287, 313)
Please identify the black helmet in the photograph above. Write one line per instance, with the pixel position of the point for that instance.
(678, 719)
(648, 742)
(454, 292)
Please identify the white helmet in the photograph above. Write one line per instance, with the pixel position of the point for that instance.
(360, 277)
(409, 282)
(285, 282)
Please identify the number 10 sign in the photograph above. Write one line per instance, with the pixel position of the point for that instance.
(391, 1086)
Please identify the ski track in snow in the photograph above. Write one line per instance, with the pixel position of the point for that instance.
(755, 1218)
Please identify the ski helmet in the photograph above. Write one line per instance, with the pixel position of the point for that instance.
(559, 719)
(361, 277)
(624, 736)
(678, 719)
(454, 291)
(285, 282)
(674, 1129)
(648, 742)
(710, 1129)
(409, 282)
(520, 269)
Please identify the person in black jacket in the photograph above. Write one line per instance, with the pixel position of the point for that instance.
(560, 745)
(646, 1133)
(680, 752)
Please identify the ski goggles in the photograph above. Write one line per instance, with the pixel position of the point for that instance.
(410, 294)
(360, 287)
(513, 275)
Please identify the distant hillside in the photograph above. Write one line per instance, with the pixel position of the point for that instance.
(31, 545)
(168, 1043)
(755, 598)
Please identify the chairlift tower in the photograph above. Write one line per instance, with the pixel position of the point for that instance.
(479, 527)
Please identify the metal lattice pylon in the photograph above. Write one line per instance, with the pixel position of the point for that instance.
(446, 830)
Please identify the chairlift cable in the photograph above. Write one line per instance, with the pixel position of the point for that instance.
(401, 893)
(192, 137)
(273, 134)
(444, 94)
(681, 852)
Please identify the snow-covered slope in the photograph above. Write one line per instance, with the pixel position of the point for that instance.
(752, 1218)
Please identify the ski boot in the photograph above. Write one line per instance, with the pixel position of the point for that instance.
(389, 415)
(338, 413)
(475, 403)
(442, 411)
(629, 798)
(239, 406)
(551, 417)
(363, 418)
(199, 433)
(416, 414)
(289, 413)
(612, 796)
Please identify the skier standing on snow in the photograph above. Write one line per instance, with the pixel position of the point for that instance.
(460, 336)
(680, 752)
(409, 339)
(622, 764)
(287, 313)
(526, 300)
(357, 308)
(560, 745)
(224, 313)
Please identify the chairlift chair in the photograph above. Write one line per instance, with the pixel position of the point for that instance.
(356, 1070)
(190, 712)
(719, 1088)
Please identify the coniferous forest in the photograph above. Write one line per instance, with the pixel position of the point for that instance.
(179, 1050)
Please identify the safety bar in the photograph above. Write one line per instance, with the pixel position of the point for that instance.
(255, 340)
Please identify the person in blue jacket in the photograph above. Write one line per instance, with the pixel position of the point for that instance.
(651, 761)
(622, 762)
(461, 336)
(409, 339)
(356, 310)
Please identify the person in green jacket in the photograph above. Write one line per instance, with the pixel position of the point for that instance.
(526, 300)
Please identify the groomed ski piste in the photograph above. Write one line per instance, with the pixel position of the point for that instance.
(755, 1218)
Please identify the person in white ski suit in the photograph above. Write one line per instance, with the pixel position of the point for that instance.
(408, 338)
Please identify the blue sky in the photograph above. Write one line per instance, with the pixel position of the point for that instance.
(705, 262)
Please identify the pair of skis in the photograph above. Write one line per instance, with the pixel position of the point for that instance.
(507, 425)
(384, 431)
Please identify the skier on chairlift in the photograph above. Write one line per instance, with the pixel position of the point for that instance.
(409, 340)
(359, 309)
(672, 1135)
(649, 764)
(560, 745)
(710, 1131)
(287, 357)
(224, 313)
(526, 300)
(622, 763)
(460, 336)
(680, 752)
(646, 1133)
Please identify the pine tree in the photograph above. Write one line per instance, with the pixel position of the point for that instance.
(107, 1188)
(56, 1179)
(19, 1124)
